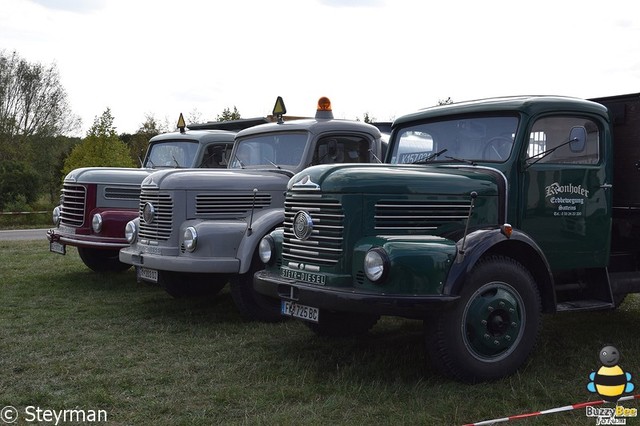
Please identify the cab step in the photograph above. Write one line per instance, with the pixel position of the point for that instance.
(583, 305)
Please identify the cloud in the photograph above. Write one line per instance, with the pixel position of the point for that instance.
(84, 6)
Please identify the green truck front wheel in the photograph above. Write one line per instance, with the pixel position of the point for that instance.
(493, 328)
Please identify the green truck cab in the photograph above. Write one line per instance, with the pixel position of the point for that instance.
(486, 215)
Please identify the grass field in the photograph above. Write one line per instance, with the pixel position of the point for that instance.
(74, 339)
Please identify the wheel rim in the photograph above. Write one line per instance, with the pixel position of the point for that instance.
(493, 320)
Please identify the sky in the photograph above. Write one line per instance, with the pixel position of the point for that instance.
(384, 58)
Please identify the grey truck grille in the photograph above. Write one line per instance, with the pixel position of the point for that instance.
(73, 204)
(324, 245)
(230, 203)
(160, 227)
(410, 215)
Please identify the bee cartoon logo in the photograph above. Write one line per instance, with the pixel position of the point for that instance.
(610, 381)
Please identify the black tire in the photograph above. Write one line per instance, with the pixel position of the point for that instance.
(251, 304)
(342, 324)
(102, 260)
(618, 299)
(493, 328)
(180, 285)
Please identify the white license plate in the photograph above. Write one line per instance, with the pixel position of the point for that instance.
(307, 313)
(148, 274)
(56, 247)
(66, 229)
(307, 277)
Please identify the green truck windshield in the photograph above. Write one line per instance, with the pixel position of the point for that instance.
(472, 139)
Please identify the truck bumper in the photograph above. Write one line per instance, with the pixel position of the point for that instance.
(349, 300)
(93, 241)
(161, 262)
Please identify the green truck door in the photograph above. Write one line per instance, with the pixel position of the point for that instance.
(566, 195)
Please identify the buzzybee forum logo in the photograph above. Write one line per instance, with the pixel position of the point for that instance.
(611, 382)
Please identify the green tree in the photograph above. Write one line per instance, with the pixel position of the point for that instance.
(228, 115)
(32, 100)
(46, 156)
(101, 147)
(139, 141)
(18, 183)
(368, 119)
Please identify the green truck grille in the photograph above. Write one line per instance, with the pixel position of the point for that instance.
(421, 215)
(324, 245)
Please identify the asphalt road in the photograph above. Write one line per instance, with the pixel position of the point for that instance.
(24, 234)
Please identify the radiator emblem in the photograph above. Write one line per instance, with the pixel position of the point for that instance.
(302, 225)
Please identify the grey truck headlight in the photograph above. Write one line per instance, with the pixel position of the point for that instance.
(131, 231)
(57, 215)
(96, 223)
(190, 239)
(376, 264)
(266, 249)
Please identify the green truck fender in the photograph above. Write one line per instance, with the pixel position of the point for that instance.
(518, 246)
(416, 265)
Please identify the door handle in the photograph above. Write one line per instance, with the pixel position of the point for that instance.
(606, 186)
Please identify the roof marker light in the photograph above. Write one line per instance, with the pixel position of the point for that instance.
(279, 110)
(181, 124)
(324, 109)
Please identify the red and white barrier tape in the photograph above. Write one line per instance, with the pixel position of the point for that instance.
(552, 410)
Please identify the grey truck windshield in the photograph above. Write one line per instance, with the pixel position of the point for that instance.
(279, 149)
(178, 153)
(472, 139)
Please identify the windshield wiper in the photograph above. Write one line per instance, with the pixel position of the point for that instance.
(547, 152)
(374, 155)
(272, 163)
(461, 160)
(235, 156)
(430, 157)
(175, 161)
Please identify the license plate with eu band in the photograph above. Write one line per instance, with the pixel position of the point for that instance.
(148, 274)
(307, 313)
(57, 247)
(303, 276)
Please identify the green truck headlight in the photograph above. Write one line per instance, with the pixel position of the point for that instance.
(190, 239)
(96, 223)
(57, 215)
(376, 264)
(130, 232)
(266, 248)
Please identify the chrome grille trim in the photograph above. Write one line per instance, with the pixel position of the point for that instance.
(230, 203)
(122, 193)
(325, 244)
(73, 205)
(162, 225)
(409, 215)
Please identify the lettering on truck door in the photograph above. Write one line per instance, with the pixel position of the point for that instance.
(565, 203)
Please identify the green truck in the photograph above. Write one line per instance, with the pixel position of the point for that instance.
(485, 215)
